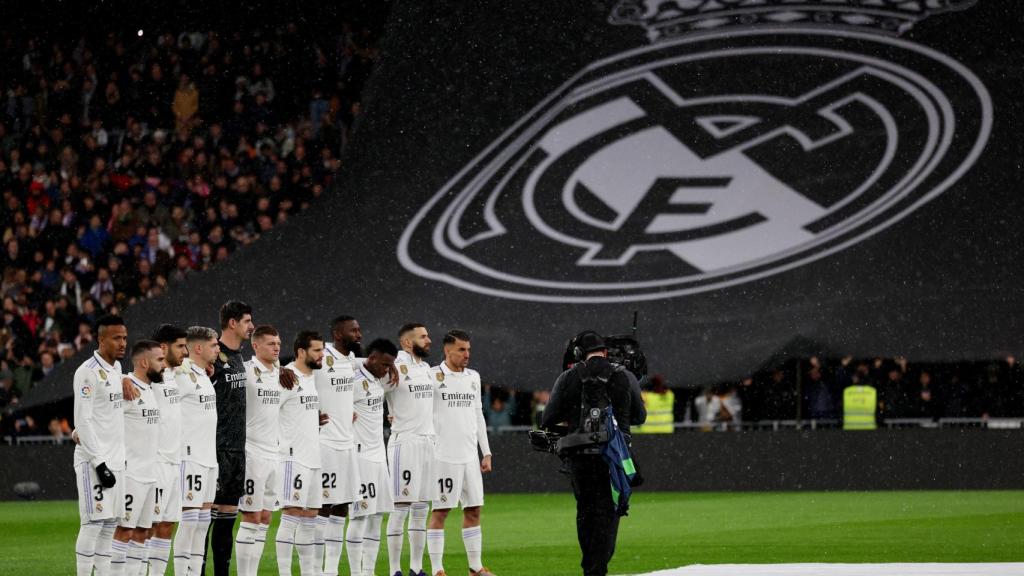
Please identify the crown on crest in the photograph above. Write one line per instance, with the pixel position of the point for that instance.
(666, 19)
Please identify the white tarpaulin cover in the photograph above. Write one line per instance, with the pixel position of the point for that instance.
(990, 569)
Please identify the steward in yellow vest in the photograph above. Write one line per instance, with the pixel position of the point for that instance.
(659, 403)
(859, 406)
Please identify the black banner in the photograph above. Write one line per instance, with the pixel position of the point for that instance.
(742, 173)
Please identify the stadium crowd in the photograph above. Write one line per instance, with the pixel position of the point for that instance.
(127, 164)
(812, 389)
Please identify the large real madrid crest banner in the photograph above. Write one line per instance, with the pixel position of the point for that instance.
(744, 173)
(750, 138)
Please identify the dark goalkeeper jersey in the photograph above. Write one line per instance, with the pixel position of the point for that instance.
(229, 382)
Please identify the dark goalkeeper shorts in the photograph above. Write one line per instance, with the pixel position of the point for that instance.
(231, 477)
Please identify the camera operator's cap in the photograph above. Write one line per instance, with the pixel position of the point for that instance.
(591, 341)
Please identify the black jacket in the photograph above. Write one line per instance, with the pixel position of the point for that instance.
(566, 397)
(229, 382)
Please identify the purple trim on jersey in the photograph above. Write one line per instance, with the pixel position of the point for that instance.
(287, 479)
(87, 484)
(102, 362)
(398, 468)
(139, 383)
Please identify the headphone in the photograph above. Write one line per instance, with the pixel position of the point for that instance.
(577, 353)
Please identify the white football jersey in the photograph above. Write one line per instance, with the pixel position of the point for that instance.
(262, 408)
(99, 415)
(300, 421)
(458, 416)
(368, 402)
(334, 385)
(198, 416)
(168, 399)
(411, 402)
(141, 433)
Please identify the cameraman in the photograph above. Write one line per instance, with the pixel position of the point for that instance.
(597, 521)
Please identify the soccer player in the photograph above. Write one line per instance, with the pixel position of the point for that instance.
(167, 511)
(339, 466)
(141, 437)
(299, 451)
(229, 381)
(459, 419)
(99, 455)
(411, 448)
(363, 534)
(262, 416)
(198, 474)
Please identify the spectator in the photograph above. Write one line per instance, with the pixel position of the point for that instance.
(540, 401)
(102, 284)
(660, 404)
(84, 337)
(893, 395)
(924, 404)
(96, 238)
(707, 408)
(186, 103)
(820, 398)
(70, 287)
(47, 363)
(59, 428)
(499, 405)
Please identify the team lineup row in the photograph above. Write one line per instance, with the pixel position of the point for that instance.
(195, 434)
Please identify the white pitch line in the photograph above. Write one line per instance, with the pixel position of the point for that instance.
(923, 569)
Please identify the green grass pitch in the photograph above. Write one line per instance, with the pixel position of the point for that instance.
(527, 534)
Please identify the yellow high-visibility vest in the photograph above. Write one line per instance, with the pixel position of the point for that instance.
(859, 405)
(659, 413)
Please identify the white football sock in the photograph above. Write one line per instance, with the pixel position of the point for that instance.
(417, 535)
(318, 541)
(85, 547)
(354, 543)
(198, 551)
(158, 550)
(473, 541)
(245, 549)
(103, 547)
(396, 534)
(334, 539)
(261, 541)
(118, 558)
(183, 540)
(304, 538)
(285, 541)
(371, 543)
(435, 547)
(144, 560)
